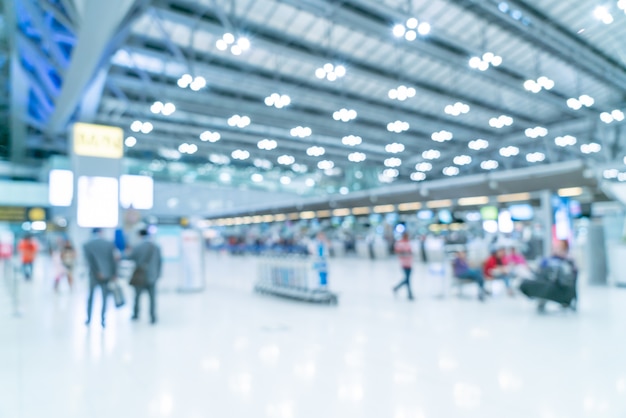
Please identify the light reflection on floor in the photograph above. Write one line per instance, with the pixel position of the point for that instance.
(230, 353)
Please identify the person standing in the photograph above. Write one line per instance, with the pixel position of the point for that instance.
(102, 263)
(28, 249)
(405, 255)
(147, 256)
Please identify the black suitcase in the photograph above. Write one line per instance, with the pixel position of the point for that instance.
(539, 289)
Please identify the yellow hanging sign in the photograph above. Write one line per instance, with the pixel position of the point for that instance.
(98, 141)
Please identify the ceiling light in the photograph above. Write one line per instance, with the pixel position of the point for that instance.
(402, 93)
(299, 168)
(410, 29)
(198, 83)
(610, 117)
(325, 165)
(602, 14)
(186, 148)
(267, 144)
(610, 173)
(130, 142)
(489, 165)
(146, 128)
(536, 132)
(330, 72)
(277, 100)
(535, 157)
(478, 144)
(393, 162)
(184, 81)
(286, 160)
(351, 140)
(210, 136)
(394, 148)
(462, 160)
(501, 121)
(285, 180)
(418, 176)
(156, 107)
(256, 177)
(423, 166)
(583, 100)
(315, 151)
(263, 163)
(225, 177)
(240, 155)
(219, 159)
(238, 121)
(442, 136)
(621, 4)
(431, 154)
(565, 141)
(535, 86)
(398, 126)
(483, 63)
(450, 171)
(356, 157)
(237, 45)
(309, 182)
(345, 115)
(456, 109)
(591, 148)
(509, 151)
(301, 132)
(391, 173)
(136, 126)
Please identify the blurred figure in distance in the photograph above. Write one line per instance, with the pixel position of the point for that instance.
(405, 255)
(28, 249)
(462, 270)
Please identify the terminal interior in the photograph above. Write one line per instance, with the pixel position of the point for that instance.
(290, 159)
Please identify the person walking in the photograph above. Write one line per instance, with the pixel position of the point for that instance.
(102, 263)
(148, 262)
(28, 249)
(405, 255)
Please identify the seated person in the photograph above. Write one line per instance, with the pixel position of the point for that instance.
(463, 271)
(517, 264)
(496, 268)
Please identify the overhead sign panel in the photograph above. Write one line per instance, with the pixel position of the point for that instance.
(98, 141)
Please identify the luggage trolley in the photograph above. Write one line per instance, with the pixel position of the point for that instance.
(294, 277)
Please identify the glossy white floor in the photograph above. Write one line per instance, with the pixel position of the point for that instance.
(227, 352)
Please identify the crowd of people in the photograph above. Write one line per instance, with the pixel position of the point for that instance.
(554, 278)
(102, 258)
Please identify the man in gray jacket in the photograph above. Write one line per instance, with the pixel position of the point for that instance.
(102, 263)
(147, 255)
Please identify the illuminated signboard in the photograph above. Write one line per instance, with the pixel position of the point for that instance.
(98, 141)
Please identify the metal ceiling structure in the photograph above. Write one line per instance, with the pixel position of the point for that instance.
(84, 64)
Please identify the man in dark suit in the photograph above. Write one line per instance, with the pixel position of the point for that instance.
(101, 260)
(147, 255)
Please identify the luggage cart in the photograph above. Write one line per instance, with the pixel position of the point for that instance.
(293, 277)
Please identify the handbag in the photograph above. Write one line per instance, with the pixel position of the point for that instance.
(139, 278)
(118, 294)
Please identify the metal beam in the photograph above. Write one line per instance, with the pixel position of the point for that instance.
(100, 22)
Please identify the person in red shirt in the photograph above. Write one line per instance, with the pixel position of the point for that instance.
(28, 249)
(496, 268)
(405, 256)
